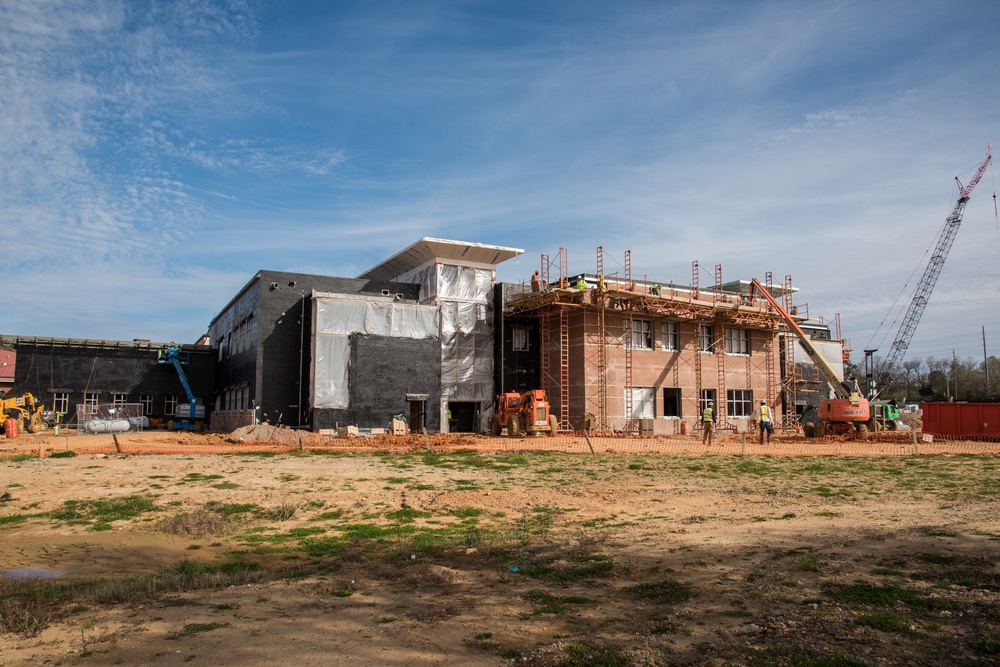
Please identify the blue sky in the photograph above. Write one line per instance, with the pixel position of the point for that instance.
(154, 155)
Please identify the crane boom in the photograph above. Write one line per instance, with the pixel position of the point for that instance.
(926, 285)
(842, 389)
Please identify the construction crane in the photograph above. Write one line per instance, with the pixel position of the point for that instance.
(926, 285)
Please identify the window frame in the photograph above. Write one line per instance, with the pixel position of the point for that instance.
(675, 396)
(643, 402)
(644, 330)
(670, 330)
(737, 341)
(706, 338)
(739, 403)
(60, 402)
(520, 338)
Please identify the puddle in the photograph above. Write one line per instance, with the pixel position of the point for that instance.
(33, 573)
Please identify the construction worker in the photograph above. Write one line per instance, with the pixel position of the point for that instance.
(707, 423)
(655, 289)
(765, 421)
(581, 284)
(535, 282)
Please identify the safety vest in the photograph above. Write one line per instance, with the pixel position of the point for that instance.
(765, 414)
(581, 284)
(708, 416)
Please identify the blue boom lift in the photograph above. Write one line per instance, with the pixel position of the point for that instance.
(172, 355)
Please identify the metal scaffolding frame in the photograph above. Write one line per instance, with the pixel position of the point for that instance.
(554, 303)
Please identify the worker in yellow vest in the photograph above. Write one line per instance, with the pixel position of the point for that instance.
(707, 423)
(765, 421)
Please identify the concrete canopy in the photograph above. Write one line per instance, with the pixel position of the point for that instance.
(451, 252)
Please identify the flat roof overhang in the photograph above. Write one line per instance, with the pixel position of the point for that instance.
(430, 249)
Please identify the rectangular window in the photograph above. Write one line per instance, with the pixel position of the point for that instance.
(521, 339)
(739, 402)
(146, 401)
(737, 341)
(706, 337)
(119, 400)
(669, 337)
(90, 400)
(643, 403)
(60, 402)
(642, 335)
(706, 396)
(672, 402)
(170, 405)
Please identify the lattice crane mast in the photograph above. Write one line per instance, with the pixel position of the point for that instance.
(926, 285)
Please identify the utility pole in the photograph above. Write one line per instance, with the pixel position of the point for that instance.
(954, 372)
(986, 364)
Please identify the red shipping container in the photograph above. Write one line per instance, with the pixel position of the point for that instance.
(962, 420)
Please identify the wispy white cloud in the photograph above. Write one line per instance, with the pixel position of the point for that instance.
(144, 142)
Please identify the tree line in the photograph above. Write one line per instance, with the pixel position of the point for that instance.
(937, 379)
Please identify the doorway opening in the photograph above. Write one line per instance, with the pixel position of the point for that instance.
(463, 416)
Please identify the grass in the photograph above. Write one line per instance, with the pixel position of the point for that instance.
(664, 591)
(562, 566)
(103, 511)
(29, 605)
(547, 603)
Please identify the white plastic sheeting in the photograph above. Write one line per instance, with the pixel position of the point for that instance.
(466, 297)
(334, 320)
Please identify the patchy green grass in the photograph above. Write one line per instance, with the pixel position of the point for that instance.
(66, 454)
(103, 511)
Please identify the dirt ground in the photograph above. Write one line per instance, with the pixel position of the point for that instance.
(500, 557)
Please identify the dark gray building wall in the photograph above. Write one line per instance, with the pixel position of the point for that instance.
(515, 370)
(276, 368)
(74, 367)
(383, 371)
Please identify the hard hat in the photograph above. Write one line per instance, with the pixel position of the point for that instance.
(762, 401)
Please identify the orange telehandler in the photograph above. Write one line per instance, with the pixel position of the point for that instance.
(526, 413)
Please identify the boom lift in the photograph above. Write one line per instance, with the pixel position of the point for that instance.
(926, 285)
(188, 414)
(849, 411)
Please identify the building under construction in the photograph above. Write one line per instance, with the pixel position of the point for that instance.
(428, 334)
(620, 354)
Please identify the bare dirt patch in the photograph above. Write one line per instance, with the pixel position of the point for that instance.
(533, 558)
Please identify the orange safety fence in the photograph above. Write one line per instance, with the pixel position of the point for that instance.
(730, 444)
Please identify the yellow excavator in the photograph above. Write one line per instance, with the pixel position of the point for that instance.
(26, 410)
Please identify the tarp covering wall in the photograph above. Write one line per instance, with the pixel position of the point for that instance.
(334, 320)
(465, 294)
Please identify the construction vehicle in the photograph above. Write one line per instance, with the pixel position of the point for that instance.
(526, 413)
(26, 411)
(849, 411)
(191, 410)
(884, 416)
(922, 293)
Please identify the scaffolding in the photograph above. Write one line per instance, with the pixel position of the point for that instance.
(557, 301)
(791, 377)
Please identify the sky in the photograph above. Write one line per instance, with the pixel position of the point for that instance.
(154, 155)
